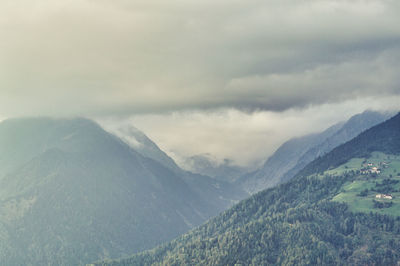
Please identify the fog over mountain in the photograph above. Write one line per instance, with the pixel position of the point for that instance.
(209, 165)
(296, 153)
(138, 141)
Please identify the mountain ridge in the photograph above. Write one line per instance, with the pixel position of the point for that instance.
(362, 145)
(295, 154)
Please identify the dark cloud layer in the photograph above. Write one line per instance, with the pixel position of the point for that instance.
(100, 57)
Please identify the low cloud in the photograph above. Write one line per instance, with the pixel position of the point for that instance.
(246, 138)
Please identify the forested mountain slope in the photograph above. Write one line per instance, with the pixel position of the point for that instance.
(306, 221)
(212, 189)
(71, 193)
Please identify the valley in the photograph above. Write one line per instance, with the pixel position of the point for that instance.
(210, 133)
(323, 216)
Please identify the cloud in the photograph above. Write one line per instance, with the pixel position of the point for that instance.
(85, 57)
(222, 77)
(246, 138)
(325, 83)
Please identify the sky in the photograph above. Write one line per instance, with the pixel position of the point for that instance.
(234, 78)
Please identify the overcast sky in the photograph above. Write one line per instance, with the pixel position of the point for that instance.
(225, 77)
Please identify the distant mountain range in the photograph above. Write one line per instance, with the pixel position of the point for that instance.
(289, 158)
(208, 165)
(72, 193)
(214, 188)
(331, 213)
(203, 164)
(296, 153)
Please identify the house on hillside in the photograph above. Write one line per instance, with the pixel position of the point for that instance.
(375, 170)
(384, 196)
(370, 169)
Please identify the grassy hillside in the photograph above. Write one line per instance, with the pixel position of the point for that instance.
(360, 192)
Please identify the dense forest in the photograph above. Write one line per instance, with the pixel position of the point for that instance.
(297, 222)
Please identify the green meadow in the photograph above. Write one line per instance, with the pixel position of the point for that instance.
(361, 189)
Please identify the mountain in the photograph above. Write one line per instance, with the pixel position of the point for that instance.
(213, 190)
(206, 164)
(340, 210)
(296, 153)
(138, 141)
(283, 160)
(383, 138)
(203, 164)
(71, 193)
